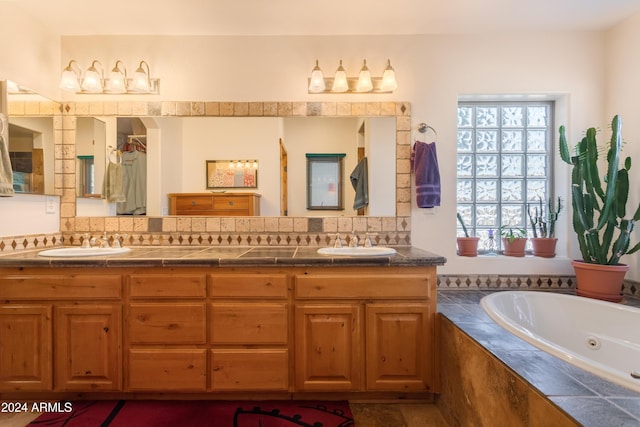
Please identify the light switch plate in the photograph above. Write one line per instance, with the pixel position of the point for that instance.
(50, 204)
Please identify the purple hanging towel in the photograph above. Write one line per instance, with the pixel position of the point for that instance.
(424, 164)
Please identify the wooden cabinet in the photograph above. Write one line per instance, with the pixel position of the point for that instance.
(25, 347)
(329, 347)
(60, 331)
(166, 318)
(249, 328)
(88, 347)
(214, 204)
(389, 348)
(271, 331)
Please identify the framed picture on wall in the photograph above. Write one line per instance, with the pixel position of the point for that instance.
(324, 181)
(225, 174)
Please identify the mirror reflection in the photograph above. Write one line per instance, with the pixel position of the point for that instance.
(158, 156)
(31, 146)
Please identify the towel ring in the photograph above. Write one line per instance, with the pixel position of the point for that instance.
(423, 128)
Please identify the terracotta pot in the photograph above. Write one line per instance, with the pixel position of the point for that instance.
(514, 247)
(598, 281)
(544, 247)
(468, 246)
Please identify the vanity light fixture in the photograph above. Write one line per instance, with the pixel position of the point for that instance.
(94, 82)
(141, 81)
(340, 83)
(70, 79)
(316, 85)
(389, 83)
(364, 83)
(117, 79)
(364, 79)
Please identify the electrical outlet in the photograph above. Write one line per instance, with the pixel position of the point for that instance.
(50, 205)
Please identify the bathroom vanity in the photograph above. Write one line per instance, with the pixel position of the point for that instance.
(216, 321)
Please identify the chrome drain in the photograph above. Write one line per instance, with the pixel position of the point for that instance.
(635, 374)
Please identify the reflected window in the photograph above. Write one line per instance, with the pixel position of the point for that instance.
(324, 181)
(86, 174)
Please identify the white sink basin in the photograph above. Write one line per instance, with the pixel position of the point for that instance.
(359, 251)
(77, 251)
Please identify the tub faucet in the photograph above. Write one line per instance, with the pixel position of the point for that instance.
(338, 242)
(353, 243)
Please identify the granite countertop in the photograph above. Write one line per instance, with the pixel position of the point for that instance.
(222, 256)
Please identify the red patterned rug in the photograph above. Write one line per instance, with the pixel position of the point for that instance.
(200, 413)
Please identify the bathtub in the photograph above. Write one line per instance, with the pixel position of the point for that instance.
(600, 337)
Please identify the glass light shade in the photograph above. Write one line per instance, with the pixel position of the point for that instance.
(92, 81)
(69, 80)
(141, 82)
(364, 79)
(316, 85)
(389, 83)
(117, 80)
(340, 83)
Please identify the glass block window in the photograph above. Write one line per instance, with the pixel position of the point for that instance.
(504, 162)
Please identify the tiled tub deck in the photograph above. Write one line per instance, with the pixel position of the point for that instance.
(588, 399)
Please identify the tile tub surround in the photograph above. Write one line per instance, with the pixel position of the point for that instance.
(588, 399)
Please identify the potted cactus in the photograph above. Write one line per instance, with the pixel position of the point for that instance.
(599, 213)
(543, 225)
(514, 240)
(467, 246)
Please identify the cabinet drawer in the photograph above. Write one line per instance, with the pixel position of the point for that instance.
(56, 287)
(167, 369)
(248, 285)
(231, 203)
(168, 285)
(248, 369)
(249, 323)
(176, 323)
(383, 286)
(193, 203)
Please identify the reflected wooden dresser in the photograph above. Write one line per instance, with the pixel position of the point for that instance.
(214, 204)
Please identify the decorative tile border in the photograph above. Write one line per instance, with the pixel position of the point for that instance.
(18, 243)
(542, 282)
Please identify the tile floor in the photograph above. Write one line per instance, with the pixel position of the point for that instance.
(364, 414)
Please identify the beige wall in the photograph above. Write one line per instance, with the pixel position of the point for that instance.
(622, 87)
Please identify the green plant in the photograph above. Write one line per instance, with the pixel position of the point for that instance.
(466, 234)
(599, 213)
(545, 222)
(512, 233)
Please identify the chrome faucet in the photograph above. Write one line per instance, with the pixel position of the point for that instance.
(338, 241)
(353, 243)
(101, 242)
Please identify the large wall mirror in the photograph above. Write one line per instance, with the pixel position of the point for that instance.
(174, 151)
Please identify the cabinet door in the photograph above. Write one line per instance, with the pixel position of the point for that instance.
(328, 347)
(398, 349)
(25, 347)
(88, 348)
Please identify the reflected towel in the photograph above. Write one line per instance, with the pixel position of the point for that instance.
(6, 174)
(112, 188)
(424, 164)
(360, 182)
